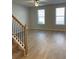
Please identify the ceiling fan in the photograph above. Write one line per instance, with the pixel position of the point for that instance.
(37, 2)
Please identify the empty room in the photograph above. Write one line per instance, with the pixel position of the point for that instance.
(38, 29)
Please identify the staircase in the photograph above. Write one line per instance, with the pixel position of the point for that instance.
(19, 39)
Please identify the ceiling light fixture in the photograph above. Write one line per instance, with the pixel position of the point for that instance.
(36, 3)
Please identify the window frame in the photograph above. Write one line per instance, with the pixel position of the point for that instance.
(60, 16)
(38, 17)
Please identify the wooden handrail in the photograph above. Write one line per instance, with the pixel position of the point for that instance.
(22, 34)
(14, 18)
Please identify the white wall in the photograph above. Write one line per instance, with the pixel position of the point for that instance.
(49, 18)
(21, 13)
(28, 16)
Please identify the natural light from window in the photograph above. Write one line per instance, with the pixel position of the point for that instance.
(41, 16)
(60, 16)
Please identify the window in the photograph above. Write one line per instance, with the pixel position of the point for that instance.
(60, 16)
(41, 16)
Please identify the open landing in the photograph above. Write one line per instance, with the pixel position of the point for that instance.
(46, 45)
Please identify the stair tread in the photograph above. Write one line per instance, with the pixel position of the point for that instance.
(16, 50)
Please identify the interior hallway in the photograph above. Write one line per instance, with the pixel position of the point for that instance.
(46, 45)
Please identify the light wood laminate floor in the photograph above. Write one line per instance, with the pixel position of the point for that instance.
(46, 45)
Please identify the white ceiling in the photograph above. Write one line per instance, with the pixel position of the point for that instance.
(42, 2)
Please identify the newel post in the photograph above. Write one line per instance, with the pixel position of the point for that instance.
(25, 41)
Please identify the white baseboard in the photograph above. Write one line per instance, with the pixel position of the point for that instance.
(50, 29)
